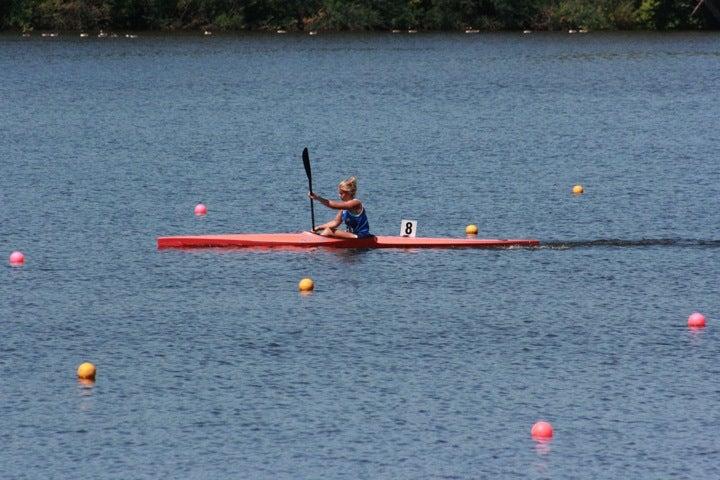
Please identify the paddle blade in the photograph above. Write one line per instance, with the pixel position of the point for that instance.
(306, 164)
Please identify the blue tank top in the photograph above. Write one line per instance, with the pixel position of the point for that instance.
(357, 224)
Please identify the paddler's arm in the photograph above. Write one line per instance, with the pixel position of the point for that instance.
(337, 204)
(334, 223)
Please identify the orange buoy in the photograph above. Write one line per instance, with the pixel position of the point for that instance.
(578, 189)
(86, 371)
(306, 285)
(471, 229)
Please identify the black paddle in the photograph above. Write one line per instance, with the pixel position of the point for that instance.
(306, 163)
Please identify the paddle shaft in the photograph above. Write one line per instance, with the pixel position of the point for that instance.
(312, 208)
(308, 172)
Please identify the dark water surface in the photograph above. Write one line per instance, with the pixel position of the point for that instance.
(415, 364)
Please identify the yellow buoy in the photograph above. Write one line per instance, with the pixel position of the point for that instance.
(471, 229)
(86, 371)
(306, 285)
(578, 189)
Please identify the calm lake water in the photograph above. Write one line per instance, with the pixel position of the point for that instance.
(401, 364)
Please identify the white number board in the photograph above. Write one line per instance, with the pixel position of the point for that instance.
(408, 228)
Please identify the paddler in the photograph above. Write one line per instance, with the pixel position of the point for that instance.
(352, 213)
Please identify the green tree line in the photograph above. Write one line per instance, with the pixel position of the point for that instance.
(354, 15)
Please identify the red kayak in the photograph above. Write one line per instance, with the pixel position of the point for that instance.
(310, 240)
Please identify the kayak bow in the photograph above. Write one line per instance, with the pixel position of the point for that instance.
(311, 240)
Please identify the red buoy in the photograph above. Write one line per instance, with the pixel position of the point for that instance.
(541, 430)
(17, 259)
(696, 320)
(200, 209)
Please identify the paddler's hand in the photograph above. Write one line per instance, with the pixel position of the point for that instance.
(317, 197)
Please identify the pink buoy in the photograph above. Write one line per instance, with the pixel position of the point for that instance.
(541, 431)
(696, 320)
(17, 258)
(200, 209)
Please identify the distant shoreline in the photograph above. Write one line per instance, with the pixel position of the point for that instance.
(240, 33)
(332, 16)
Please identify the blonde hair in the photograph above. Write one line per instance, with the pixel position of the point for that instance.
(349, 185)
